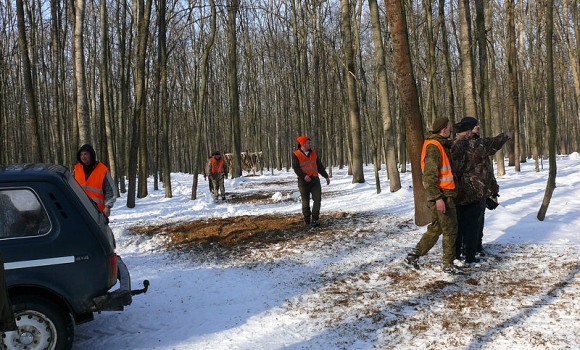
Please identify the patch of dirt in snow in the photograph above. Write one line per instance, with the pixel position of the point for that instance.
(519, 296)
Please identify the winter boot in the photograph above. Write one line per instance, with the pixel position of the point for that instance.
(412, 261)
(452, 270)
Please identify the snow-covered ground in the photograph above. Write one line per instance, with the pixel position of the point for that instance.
(349, 289)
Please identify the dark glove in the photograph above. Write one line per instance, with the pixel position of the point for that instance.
(491, 202)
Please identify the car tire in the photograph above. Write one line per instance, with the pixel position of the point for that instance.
(42, 324)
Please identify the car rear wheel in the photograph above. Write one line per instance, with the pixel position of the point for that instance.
(41, 325)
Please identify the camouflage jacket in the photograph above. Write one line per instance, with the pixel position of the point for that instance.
(432, 166)
(472, 168)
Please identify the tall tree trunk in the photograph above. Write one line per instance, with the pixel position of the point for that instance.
(466, 57)
(143, 12)
(123, 111)
(551, 109)
(141, 81)
(201, 99)
(82, 110)
(236, 167)
(572, 42)
(32, 127)
(388, 130)
(485, 117)
(450, 103)
(300, 105)
(107, 93)
(163, 95)
(353, 106)
(513, 93)
(58, 80)
(432, 88)
(410, 104)
(495, 119)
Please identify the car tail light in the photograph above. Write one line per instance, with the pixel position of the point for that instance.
(113, 271)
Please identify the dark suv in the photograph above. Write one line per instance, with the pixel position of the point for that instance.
(59, 256)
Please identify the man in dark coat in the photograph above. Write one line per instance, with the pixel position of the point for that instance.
(474, 179)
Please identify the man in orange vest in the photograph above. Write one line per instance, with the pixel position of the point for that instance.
(441, 193)
(95, 178)
(216, 170)
(307, 166)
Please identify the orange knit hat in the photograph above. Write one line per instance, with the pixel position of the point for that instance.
(302, 140)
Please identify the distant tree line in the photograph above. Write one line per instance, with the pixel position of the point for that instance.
(157, 85)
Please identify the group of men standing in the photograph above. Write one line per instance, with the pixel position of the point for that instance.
(458, 177)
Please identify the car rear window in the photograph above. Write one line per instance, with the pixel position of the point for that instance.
(22, 214)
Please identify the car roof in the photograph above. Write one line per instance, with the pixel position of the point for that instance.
(31, 170)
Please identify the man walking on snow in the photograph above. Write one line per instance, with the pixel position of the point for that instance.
(307, 166)
(441, 193)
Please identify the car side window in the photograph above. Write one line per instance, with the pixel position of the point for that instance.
(22, 214)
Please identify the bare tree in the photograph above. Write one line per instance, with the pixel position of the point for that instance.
(571, 14)
(122, 93)
(481, 38)
(141, 98)
(388, 130)
(163, 96)
(450, 101)
(551, 109)
(107, 91)
(513, 88)
(201, 98)
(234, 95)
(143, 13)
(34, 155)
(430, 110)
(409, 103)
(82, 105)
(466, 57)
(353, 106)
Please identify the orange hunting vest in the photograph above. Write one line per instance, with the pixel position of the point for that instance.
(217, 166)
(307, 164)
(93, 186)
(445, 175)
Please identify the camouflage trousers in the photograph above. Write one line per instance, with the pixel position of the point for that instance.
(441, 224)
(217, 184)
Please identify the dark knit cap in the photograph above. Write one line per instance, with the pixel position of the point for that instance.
(472, 121)
(462, 127)
(439, 124)
(216, 153)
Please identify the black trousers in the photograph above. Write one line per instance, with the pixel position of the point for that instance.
(468, 220)
(308, 190)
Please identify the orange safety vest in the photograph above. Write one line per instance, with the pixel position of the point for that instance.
(307, 163)
(93, 186)
(445, 175)
(217, 166)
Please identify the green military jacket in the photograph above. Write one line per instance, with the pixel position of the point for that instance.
(432, 167)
